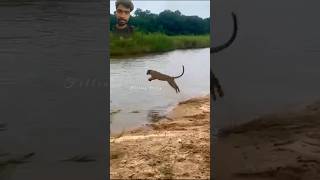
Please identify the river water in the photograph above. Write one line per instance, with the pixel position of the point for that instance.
(44, 44)
(273, 65)
(135, 98)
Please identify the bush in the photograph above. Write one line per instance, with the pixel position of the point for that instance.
(143, 43)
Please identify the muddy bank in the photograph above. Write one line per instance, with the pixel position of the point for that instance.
(282, 146)
(177, 146)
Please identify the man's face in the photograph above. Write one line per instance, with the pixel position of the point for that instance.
(123, 15)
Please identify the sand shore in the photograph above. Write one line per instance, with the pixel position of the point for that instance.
(282, 146)
(176, 147)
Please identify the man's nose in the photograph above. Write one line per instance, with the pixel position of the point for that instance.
(122, 15)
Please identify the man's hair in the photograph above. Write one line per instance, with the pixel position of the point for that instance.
(125, 3)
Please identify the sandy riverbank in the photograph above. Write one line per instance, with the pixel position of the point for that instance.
(282, 146)
(175, 147)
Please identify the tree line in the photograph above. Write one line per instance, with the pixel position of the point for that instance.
(167, 22)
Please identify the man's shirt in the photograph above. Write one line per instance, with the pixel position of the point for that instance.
(125, 32)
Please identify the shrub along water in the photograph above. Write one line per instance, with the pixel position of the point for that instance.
(143, 43)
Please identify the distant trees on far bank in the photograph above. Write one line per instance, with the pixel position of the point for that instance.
(167, 22)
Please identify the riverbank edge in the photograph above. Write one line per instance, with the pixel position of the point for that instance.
(170, 111)
(143, 44)
(137, 55)
(282, 145)
(177, 146)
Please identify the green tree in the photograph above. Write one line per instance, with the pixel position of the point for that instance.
(167, 22)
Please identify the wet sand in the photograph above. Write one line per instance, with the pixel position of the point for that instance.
(284, 146)
(177, 146)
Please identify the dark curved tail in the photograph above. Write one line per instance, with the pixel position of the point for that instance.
(181, 73)
(230, 41)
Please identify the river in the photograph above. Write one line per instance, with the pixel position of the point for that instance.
(273, 65)
(43, 44)
(135, 98)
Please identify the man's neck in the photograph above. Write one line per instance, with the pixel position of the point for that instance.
(121, 27)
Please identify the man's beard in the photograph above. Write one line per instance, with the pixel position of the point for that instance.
(121, 22)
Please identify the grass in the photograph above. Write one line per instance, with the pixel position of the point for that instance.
(141, 43)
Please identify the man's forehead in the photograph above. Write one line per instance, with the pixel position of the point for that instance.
(123, 8)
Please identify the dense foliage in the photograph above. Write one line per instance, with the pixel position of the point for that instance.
(167, 22)
(141, 43)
